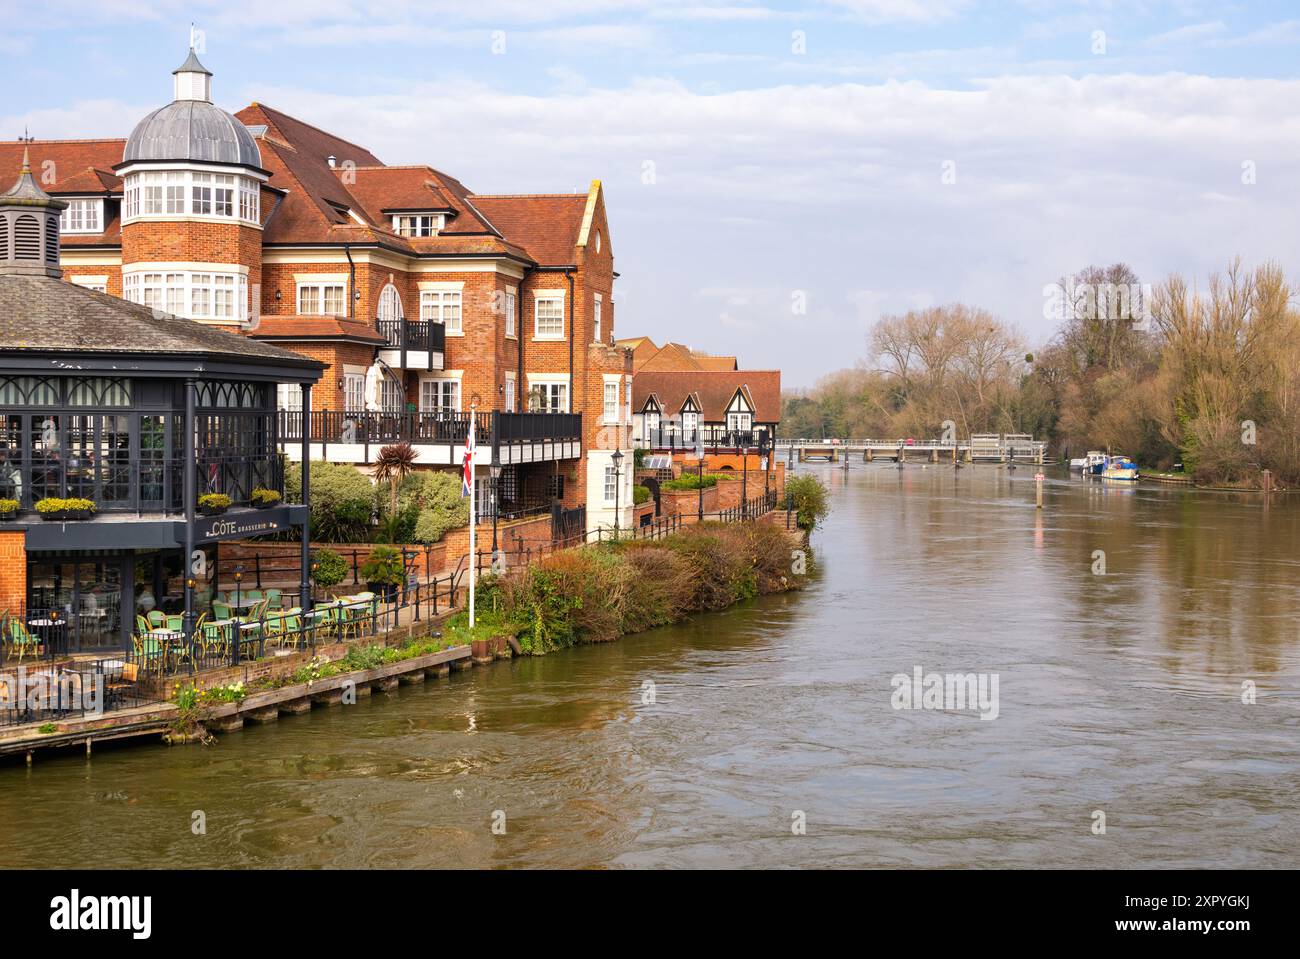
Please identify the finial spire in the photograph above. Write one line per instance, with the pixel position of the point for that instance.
(27, 161)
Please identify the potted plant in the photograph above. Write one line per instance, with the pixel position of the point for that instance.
(213, 504)
(328, 568)
(263, 498)
(383, 571)
(8, 508)
(60, 510)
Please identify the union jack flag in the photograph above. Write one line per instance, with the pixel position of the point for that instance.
(467, 473)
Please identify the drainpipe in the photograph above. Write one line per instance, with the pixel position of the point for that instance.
(568, 275)
(352, 284)
(519, 331)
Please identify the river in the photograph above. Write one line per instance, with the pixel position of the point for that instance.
(1118, 693)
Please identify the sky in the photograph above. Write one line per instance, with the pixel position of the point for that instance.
(778, 176)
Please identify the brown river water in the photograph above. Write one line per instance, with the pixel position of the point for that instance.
(1118, 693)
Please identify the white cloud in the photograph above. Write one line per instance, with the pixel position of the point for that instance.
(835, 188)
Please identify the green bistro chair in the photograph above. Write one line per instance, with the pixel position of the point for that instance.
(157, 619)
(252, 596)
(222, 610)
(275, 598)
(21, 640)
(175, 623)
(142, 625)
(151, 653)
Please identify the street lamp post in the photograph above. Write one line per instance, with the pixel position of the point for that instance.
(617, 459)
(699, 451)
(744, 480)
(495, 470)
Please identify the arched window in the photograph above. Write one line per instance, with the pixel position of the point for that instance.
(390, 304)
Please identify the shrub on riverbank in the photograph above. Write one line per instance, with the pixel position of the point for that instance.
(599, 593)
(808, 497)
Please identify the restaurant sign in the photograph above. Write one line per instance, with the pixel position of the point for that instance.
(238, 525)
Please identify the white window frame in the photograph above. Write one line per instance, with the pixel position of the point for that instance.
(612, 478)
(549, 387)
(511, 301)
(318, 291)
(511, 392)
(288, 397)
(199, 294)
(548, 297)
(192, 194)
(596, 317)
(741, 422)
(418, 224)
(390, 303)
(354, 391)
(436, 388)
(690, 420)
(96, 283)
(611, 401)
(446, 307)
(392, 397)
(82, 215)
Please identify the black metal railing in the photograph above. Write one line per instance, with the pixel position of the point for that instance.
(231, 641)
(677, 438)
(414, 336)
(370, 428)
(44, 692)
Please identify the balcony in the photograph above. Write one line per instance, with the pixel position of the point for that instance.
(712, 438)
(412, 344)
(438, 437)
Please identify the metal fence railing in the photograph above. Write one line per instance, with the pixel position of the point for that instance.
(44, 692)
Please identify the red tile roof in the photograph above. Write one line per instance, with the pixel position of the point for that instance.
(713, 390)
(546, 225)
(64, 167)
(317, 203)
(314, 328)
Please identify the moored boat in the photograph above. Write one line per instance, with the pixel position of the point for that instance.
(1120, 467)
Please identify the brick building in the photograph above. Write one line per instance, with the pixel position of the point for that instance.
(421, 298)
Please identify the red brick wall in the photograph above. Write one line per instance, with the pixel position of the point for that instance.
(13, 570)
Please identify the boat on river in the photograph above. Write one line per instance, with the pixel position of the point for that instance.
(1093, 463)
(1120, 467)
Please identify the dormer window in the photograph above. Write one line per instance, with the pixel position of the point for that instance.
(83, 216)
(418, 224)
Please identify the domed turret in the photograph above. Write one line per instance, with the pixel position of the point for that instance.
(191, 209)
(192, 127)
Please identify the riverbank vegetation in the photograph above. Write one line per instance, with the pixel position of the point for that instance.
(809, 498)
(602, 592)
(407, 506)
(1206, 376)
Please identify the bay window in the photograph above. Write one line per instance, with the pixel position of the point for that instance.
(196, 296)
(192, 192)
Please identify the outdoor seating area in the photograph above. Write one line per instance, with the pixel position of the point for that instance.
(244, 625)
(48, 692)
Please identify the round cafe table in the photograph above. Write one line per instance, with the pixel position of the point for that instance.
(53, 634)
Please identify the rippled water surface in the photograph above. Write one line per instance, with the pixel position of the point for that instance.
(1119, 693)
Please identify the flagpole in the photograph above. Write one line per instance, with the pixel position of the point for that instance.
(473, 515)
